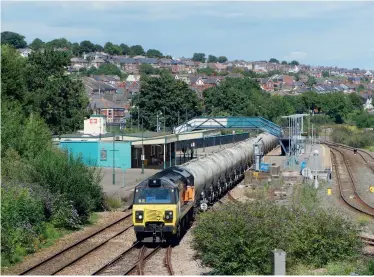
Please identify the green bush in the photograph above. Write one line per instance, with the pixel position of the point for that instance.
(240, 238)
(21, 218)
(359, 139)
(68, 176)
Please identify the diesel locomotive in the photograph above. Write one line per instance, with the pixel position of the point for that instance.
(166, 203)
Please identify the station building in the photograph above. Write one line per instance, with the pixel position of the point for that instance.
(99, 148)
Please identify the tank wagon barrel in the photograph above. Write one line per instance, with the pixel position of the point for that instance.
(166, 202)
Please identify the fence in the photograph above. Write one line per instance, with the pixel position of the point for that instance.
(211, 141)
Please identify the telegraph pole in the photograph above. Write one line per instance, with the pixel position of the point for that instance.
(138, 118)
(142, 148)
(164, 119)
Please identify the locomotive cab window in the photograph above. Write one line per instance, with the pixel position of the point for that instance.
(154, 196)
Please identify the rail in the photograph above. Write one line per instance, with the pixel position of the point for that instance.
(356, 202)
(76, 244)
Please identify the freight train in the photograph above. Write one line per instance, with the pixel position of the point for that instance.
(166, 203)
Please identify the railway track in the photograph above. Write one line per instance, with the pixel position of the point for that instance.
(367, 240)
(366, 156)
(75, 252)
(137, 265)
(346, 182)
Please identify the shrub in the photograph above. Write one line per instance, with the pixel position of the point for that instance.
(240, 238)
(21, 218)
(68, 176)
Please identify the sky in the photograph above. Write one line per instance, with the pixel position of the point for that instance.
(317, 33)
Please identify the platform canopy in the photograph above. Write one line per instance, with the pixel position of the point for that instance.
(230, 122)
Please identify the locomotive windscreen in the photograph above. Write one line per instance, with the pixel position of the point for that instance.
(154, 196)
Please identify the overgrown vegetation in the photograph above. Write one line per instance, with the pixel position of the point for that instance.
(353, 137)
(239, 239)
(44, 191)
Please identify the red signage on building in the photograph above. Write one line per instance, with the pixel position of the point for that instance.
(93, 121)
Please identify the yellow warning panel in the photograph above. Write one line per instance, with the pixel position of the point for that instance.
(371, 188)
(329, 191)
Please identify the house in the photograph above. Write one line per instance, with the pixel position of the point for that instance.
(183, 78)
(299, 84)
(266, 84)
(113, 112)
(133, 78)
(107, 79)
(165, 63)
(177, 67)
(151, 61)
(369, 74)
(354, 80)
(93, 86)
(132, 88)
(190, 67)
(25, 52)
(97, 62)
(219, 67)
(129, 65)
(78, 63)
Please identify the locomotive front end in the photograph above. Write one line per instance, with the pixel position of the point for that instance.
(155, 213)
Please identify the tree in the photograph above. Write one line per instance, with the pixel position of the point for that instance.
(98, 48)
(311, 81)
(36, 44)
(238, 97)
(153, 53)
(109, 69)
(208, 71)
(164, 91)
(199, 57)
(284, 63)
(13, 85)
(112, 49)
(13, 39)
(212, 59)
(325, 74)
(60, 101)
(59, 43)
(273, 60)
(222, 59)
(75, 49)
(294, 63)
(146, 69)
(87, 46)
(125, 49)
(137, 50)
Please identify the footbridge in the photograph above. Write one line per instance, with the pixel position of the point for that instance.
(230, 122)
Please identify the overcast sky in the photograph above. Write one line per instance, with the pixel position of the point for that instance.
(317, 33)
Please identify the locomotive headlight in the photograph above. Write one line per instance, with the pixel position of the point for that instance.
(139, 215)
(168, 215)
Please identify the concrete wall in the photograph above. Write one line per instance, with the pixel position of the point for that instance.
(100, 153)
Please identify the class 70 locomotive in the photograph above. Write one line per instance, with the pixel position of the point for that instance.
(166, 203)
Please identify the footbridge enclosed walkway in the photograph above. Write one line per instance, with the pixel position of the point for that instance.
(230, 122)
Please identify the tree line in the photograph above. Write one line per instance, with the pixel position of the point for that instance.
(44, 190)
(77, 49)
